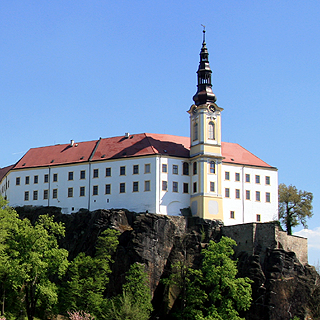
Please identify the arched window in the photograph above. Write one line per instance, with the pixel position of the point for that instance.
(195, 168)
(195, 131)
(212, 167)
(185, 168)
(212, 135)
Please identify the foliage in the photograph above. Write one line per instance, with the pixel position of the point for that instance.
(213, 292)
(135, 301)
(30, 257)
(79, 315)
(88, 276)
(294, 206)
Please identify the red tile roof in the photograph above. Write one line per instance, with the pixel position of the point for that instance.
(58, 154)
(140, 145)
(234, 153)
(4, 171)
(123, 147)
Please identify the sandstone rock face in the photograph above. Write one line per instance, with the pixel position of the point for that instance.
(282, 286)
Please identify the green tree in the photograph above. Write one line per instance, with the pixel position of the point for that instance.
(30, 256)
(88, 276)
(214, 292)
(294, 206)
(135, 301)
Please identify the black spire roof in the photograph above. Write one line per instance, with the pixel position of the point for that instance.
(204, 93)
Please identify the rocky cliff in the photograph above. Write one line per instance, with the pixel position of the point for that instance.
(283, 287)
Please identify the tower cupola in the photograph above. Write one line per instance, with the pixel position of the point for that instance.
(204, 92)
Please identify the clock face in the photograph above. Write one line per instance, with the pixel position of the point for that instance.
(212, 109)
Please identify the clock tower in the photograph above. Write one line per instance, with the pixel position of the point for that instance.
(205, 149)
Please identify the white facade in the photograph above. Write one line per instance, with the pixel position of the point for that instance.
(156, 184)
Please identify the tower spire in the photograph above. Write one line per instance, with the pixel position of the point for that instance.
(204, 92)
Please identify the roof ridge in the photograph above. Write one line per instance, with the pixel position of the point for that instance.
(152, 147)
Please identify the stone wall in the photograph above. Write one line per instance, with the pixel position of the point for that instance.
(257, 238)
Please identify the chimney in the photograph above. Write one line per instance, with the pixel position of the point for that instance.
(127, 134)
(71, 143)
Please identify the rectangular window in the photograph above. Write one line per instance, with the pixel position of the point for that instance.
(195, 168)
(231, 214)
(147, 168)
(174, 186)
(227, 192)
(82, 174)
(54, 193)
(46, 178)
(136, 169)
(185, 187)
(175, 169)
(82, 192)
(27, 180)
(247, 177)
(17, 181)
(248, 194)
(95, 190)
(108, 188)
(108, 172)
(135, 187)
(237, 177)
(211, 186)
(95, 173)
(195, 187)
(212, 167)
(122, 187)
(257, 178)
(70, 175)
(147, 185)
(26, 196)
(55, 177)
(267, 196)
(227, 175)
(258, 217)
(237, 193)
(164, 185)
(35, 195)
(45, 194)
(185, 169)
(35, 179)
(164, 168)
(70, 192)
(267, 180)
(257, 195)
(122, 171)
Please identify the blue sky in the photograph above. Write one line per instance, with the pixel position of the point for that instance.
(88, 69)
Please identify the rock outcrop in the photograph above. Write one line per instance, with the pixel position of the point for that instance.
(282, 286)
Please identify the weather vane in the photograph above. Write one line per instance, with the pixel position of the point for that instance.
(204, 33)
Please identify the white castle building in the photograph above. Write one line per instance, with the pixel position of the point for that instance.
(157, 173)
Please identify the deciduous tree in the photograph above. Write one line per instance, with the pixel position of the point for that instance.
(213, 292)
(295, 206)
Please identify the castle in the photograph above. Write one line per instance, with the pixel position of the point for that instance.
(152, 172)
